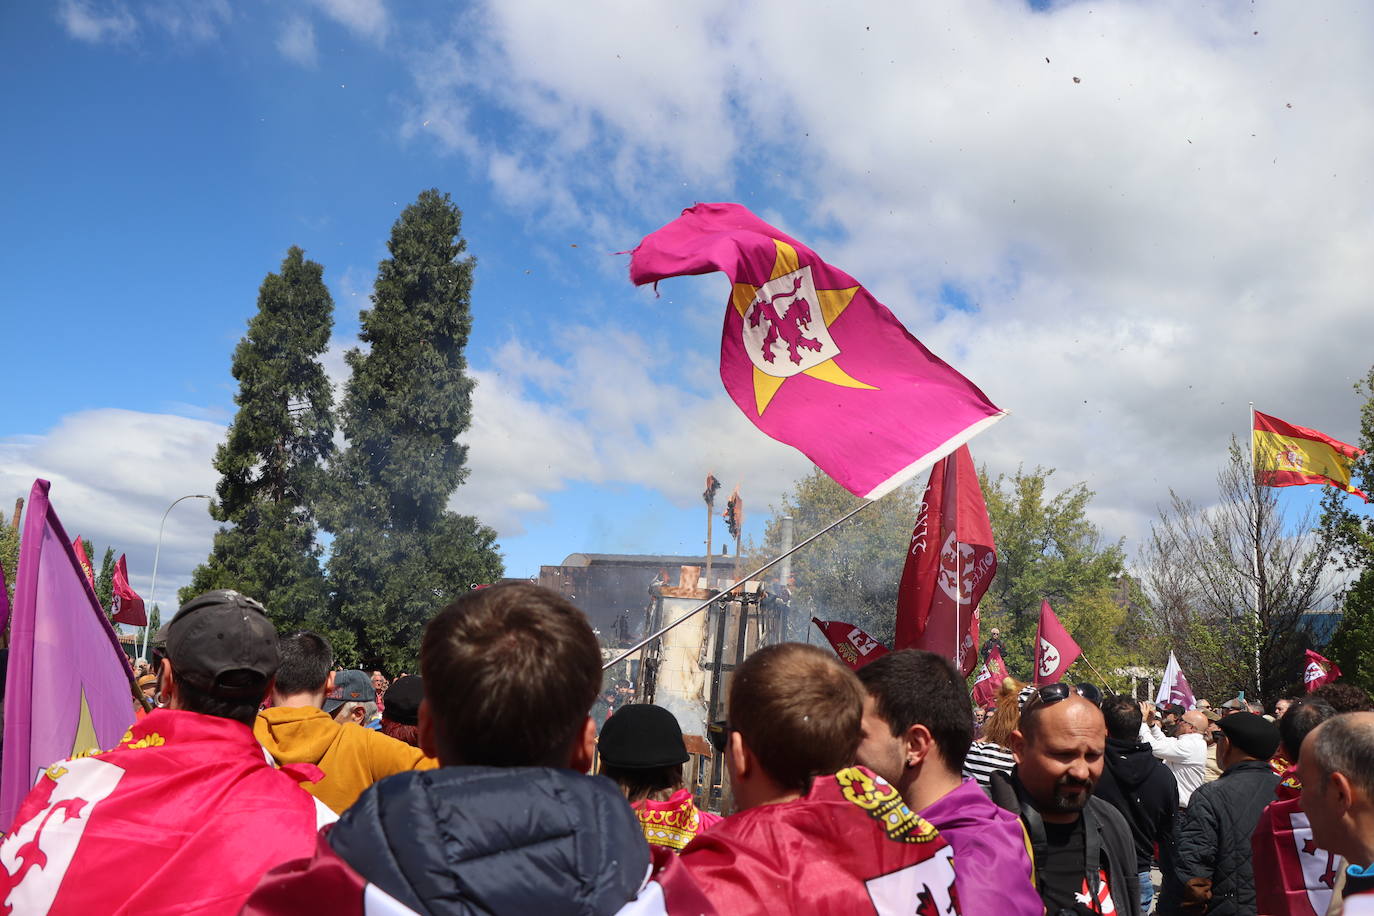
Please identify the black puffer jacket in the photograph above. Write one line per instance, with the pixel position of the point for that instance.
(480, 840)
(1146, 794)
(1214, 838)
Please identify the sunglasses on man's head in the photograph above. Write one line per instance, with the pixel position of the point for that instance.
(718, 733)
(1049, 695)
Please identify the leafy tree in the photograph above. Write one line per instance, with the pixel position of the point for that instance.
(851, 574)
(1048, 550)
(104, 582)
(398, 553)
(154, 623)
(271, 462)
(1352, 535)
(9, 555)
(1220, 610)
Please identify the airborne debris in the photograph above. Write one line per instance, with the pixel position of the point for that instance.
(1077, 80)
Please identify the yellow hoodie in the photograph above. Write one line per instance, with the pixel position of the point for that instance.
(352, 757)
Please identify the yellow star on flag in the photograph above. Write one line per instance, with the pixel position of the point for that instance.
(831, 302)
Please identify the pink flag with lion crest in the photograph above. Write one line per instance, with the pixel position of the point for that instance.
(813, 359)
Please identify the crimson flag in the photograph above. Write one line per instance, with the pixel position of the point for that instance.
(949, 565)
(84, 560)
(128, 607)
(990, 677)
(854, 647)
(1319, 671)
(1055, 649)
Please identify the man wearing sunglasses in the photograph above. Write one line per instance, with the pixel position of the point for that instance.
(1084, 854)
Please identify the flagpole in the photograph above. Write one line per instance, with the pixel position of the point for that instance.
(1105, 682)
(157, 554)
(732, 586)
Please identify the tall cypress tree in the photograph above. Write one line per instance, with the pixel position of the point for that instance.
(399, 554)
(271, 464)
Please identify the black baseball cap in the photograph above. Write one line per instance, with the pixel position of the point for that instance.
(401, 702)
(642, 736)
(222, 643)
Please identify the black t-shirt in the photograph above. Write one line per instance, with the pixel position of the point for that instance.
(1063, 877)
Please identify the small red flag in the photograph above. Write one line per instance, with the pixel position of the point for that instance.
(128, 607)
(1319, 671)
(949, 565)
(1055, 649)
(84, 560)
(990, 677)
(854, 647)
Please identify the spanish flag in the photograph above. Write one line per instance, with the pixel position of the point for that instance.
(1290, 456)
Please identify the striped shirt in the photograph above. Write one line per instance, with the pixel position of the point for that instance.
(984, 758)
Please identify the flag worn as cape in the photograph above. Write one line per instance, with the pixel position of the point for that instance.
(1287, 455)
(68, 689)
(128, 606)
(1055, 649)
(1174, 688)
(813, 359)
(854, 647)
(990, 677)
(1300, 876)
(949, 565)
(84, 560)
(1319, 671)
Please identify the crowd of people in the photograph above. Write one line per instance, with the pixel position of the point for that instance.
(265, 781)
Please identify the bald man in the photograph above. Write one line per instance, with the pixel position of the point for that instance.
(1083, 850)
(1337, 771)
(1185, 754)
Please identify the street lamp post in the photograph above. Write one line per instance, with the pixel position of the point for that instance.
(157, 554)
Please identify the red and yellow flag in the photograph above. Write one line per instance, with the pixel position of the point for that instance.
(1290, 456)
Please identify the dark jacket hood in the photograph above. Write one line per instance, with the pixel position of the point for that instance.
(1131, 762)
(467, 840)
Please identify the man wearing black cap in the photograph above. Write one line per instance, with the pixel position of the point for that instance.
(1213, 861)
(185, 814)
(302, 725)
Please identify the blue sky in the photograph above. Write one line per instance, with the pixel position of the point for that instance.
(1122, 260)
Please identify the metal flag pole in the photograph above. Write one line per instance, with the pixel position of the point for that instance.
(736, 584)
(157, 554)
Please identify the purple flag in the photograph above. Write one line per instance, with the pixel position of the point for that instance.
(813, 359)
(4, 600)
(69, 689)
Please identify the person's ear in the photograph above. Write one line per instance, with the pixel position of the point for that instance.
(167, 682)
(425, 726)
(329, 684)
(1018, 745)
(583, 753)
(1343, 791)
(919, 744)
(741, 762)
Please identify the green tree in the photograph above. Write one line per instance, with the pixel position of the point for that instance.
(852, 573)
(1235, 623)
(104, 582)
(398, 553)
(271, 463)
(1352, 537)
(9, 556)
(1048, 550)
(154, 622)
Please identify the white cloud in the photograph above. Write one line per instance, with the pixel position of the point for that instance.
(296, 42)
(114, 473)
(365, 18)
(1166, 219)
(194, 21)
(88, 22)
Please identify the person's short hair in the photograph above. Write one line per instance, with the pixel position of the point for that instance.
(193, 699)
(306, 660)
(914, 687)
(510, 672)
(344, 711)
(1344, 697)
(1301, 718)
(1345, 745)
(1123, 718)
(1174, 709)
(799, 710)
(656, 784)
